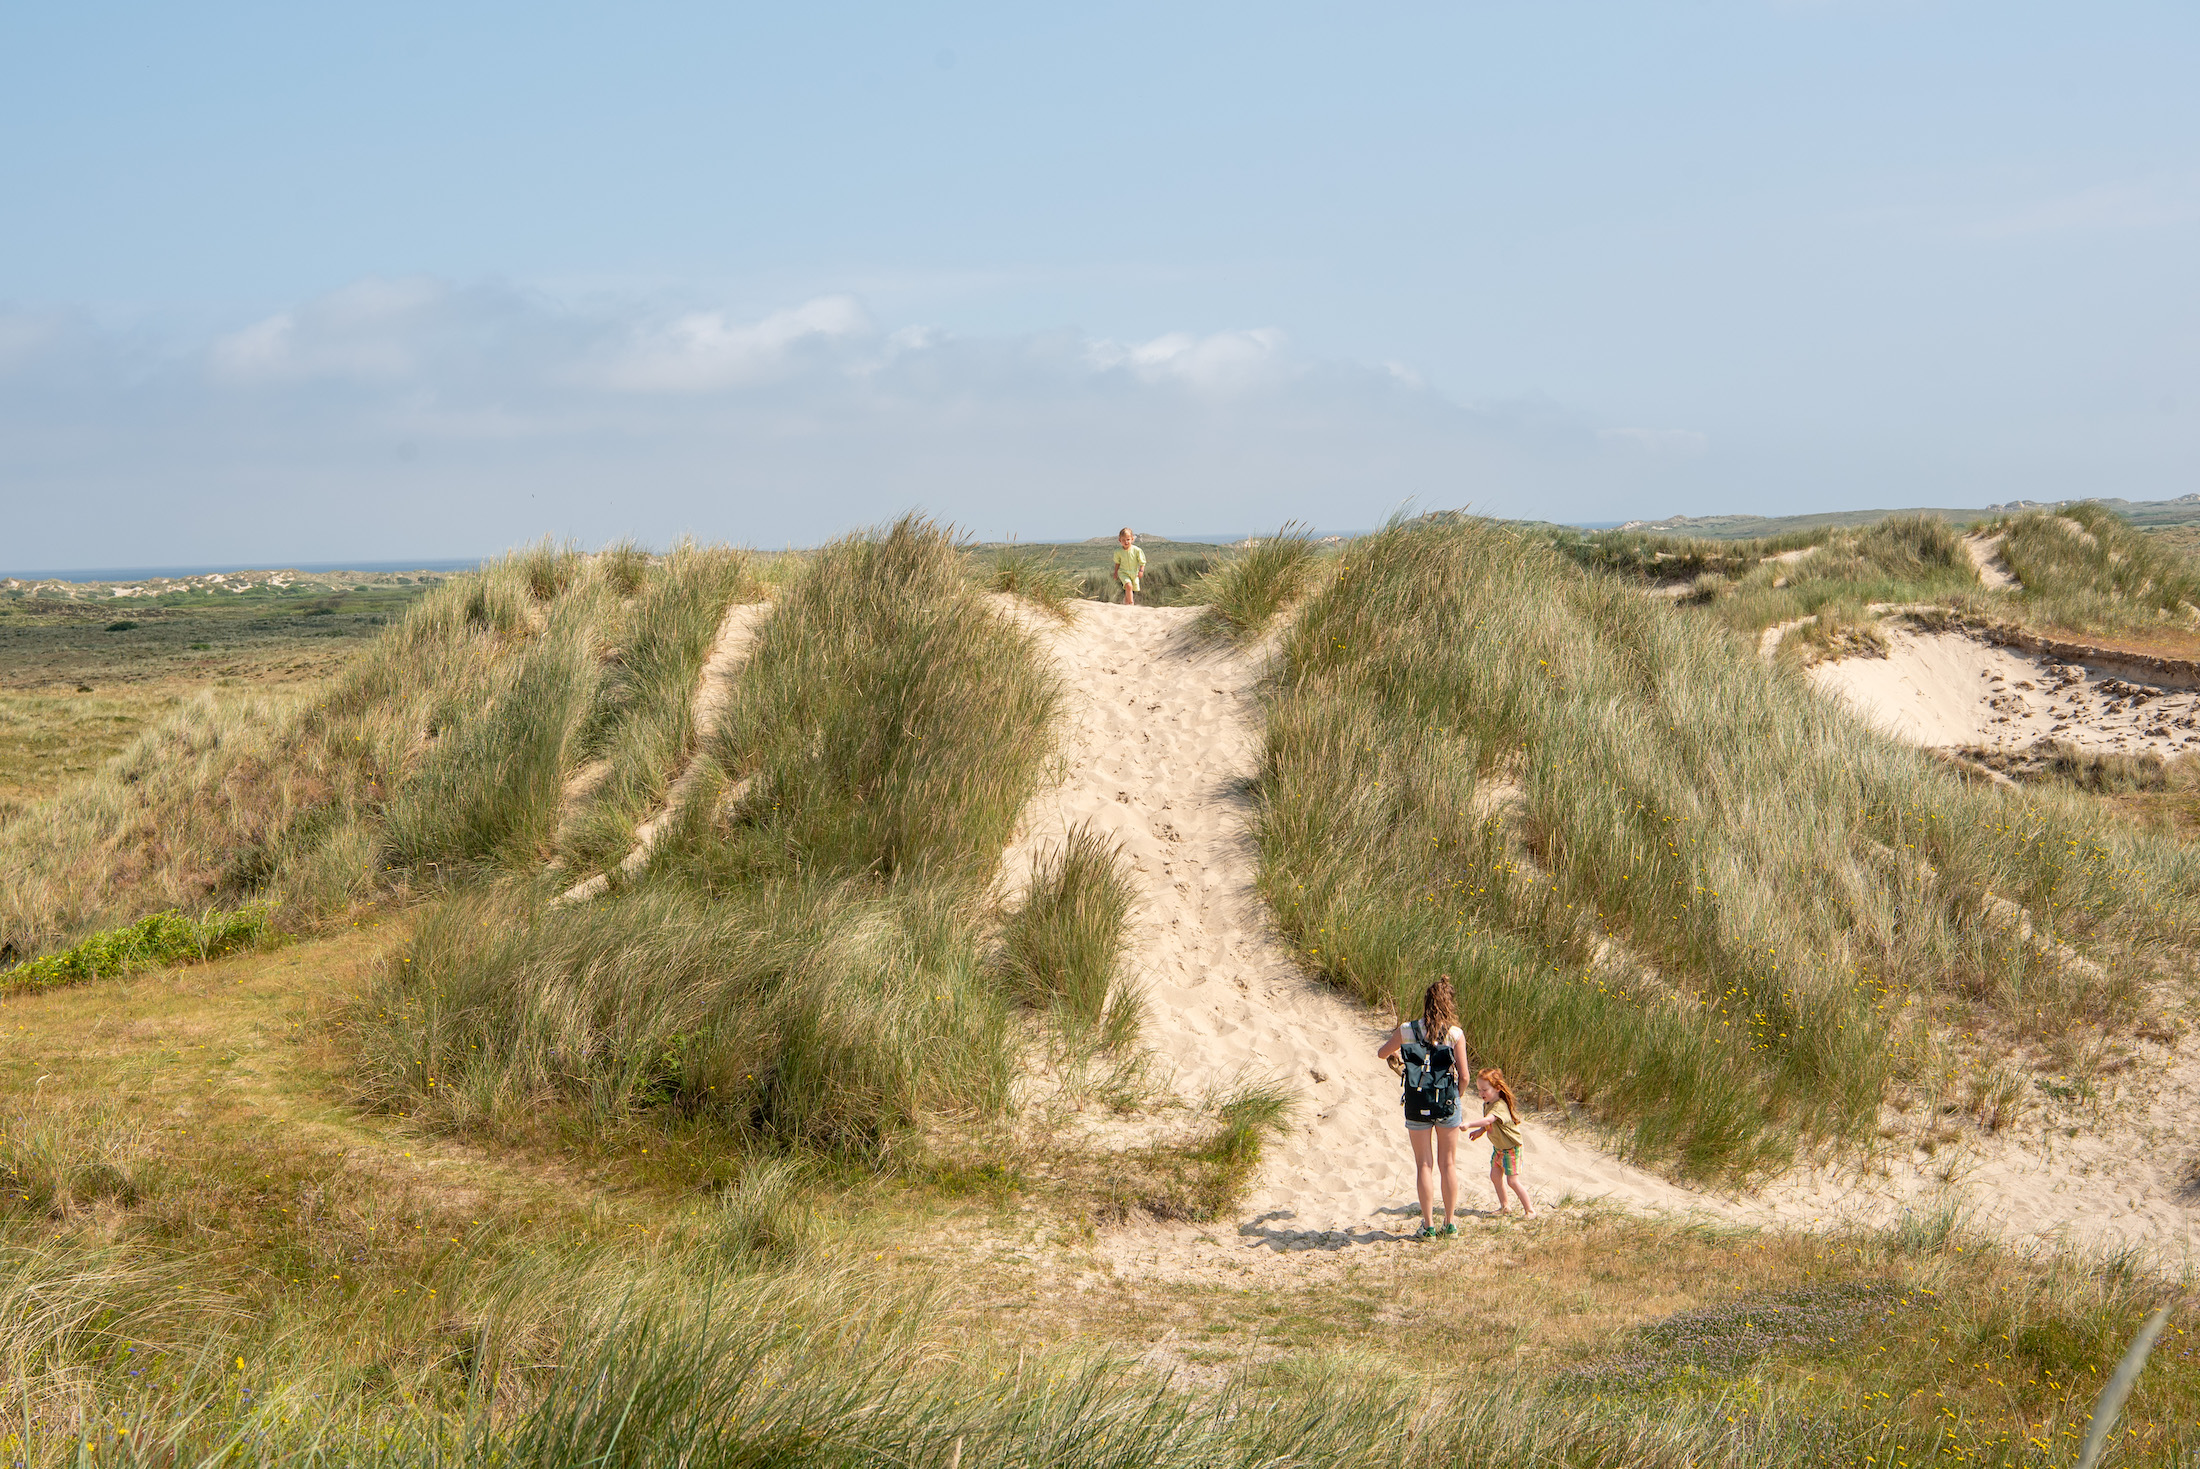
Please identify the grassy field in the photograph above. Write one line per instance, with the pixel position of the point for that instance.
(210, 1253)
(76, 687)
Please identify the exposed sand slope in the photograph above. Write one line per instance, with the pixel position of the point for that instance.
(729, 649)
(1163, 731)
(1946, 690)
(2120, 1170)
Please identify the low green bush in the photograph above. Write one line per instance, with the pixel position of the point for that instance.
(153, 942)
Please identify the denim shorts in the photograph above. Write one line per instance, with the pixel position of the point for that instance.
(1457, 1117)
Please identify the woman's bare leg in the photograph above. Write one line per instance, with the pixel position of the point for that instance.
(1424, 1171)
(1447, 1163)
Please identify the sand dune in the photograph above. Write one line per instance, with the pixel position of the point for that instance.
(1165, 728)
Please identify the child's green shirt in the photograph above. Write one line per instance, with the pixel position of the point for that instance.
(1130, 563)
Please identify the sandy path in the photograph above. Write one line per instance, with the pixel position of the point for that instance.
(1949, 690)
(1986, 560)
(1162, 732)
(729, 649)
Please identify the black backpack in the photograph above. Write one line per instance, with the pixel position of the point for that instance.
(1432, 1078)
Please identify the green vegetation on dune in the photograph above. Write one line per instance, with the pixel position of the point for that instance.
(888, 724)
(154, 941)
(1245, 594)
(441, 748)
(642, 727)
(1675, 886)
(2080, 569)
(803, 960)
(1750, 585)
(1063, 946)
(1037, 576)
(2083, 567)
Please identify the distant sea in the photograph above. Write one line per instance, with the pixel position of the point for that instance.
(142, 573)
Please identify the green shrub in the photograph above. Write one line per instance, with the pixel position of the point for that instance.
(153, 942)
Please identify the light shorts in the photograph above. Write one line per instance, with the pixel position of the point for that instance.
(1457, 1118)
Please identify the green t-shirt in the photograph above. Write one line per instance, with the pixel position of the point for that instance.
(1130, 562)
(1504, 1132)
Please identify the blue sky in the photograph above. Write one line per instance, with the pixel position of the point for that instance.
(300, 283)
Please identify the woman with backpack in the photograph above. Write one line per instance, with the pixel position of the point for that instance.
(1431, 1056)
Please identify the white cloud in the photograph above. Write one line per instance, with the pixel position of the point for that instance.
(474, 417)
(703, 351)
(1223, 362)
(367, 330)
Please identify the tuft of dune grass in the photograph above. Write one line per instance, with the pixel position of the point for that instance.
(1062, 947)
(642, 724)
(1675, 886)
(1035, 576)
(824, 1014)
(888, 723)
(1244, 594)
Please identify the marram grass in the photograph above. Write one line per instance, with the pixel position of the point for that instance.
(802, 961)
(1673, 884)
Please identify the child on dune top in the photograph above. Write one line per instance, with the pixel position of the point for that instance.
(1130, 565)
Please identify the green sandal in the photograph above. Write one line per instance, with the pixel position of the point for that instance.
(1426, 1231)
